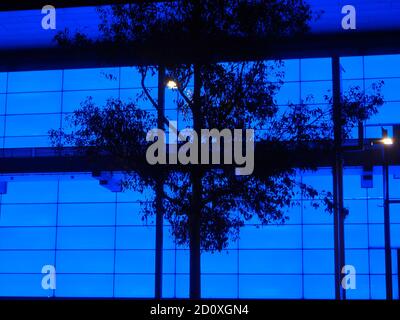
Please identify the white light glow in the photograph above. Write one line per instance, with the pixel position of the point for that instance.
(387, 141)
(171, 84)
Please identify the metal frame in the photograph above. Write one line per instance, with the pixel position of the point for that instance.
(398, 271)
(338, 218)
(159, 192)
(386, 215)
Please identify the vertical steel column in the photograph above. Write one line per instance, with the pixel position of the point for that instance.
(159, 192)
(339, 245)
(388, 248)
(195, 214)
(398, 272)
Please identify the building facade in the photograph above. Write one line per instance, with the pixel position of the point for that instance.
(100, 246)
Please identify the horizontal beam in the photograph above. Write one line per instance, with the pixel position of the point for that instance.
(206, 50)
(267, 158)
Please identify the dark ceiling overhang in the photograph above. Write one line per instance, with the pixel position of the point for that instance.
(345, 43)
(38, 4)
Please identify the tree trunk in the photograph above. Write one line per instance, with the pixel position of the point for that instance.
(195, 214)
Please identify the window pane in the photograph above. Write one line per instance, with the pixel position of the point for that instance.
(317, 237)
(288, 93)
(20, 103)
(22, 285)
(319, 287)
(87, 79)
(316, 91)
(32, 81)
(182, 261)
(27, 238)
(85, 261)
(316, 69)
(25, 261)
(85, 214)
(84, 191)
(27, 142)
(135, 261)
(134, 286)
(2, 106)
(168, 286)
(270, 261)
(84, 285)
(292, 70)
(382, 66)
(270, 237)
(31, 125)
(28, 215)
(131, 78)
(219, 286)
(219, 262)
(31, 192)
(270, 287)
(378, 287)
(356, 236)
(358, 211)
(182, 286)
(352, 67)
(377, 261)
(359, 259)
(131, 214)
(85, 238)
(72, 100)
(135, 238)
(319, 261)
(3, 82)
(376, 236)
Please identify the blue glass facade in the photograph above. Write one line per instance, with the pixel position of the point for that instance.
(99, 244)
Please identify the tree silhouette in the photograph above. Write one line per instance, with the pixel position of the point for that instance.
(206, 206)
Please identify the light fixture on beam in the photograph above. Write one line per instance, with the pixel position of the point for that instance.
(386, 140)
